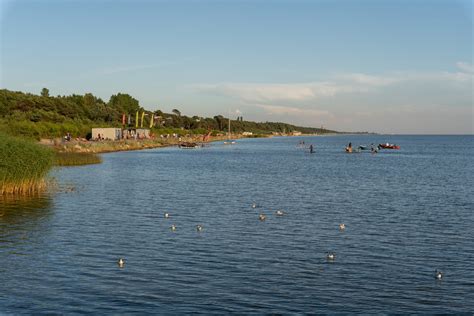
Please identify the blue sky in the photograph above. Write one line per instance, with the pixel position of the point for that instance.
(382, 66)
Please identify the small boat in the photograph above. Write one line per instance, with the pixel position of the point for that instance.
(188, 145)
(389, 146)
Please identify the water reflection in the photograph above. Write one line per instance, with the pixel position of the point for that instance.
(23, 216)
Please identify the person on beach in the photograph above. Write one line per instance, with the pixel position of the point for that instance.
(311, 148)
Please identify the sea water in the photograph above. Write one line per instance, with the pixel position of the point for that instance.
(407, 213)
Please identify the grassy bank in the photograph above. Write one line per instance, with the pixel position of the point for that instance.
(23, 165)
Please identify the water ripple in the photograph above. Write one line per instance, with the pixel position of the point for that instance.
(406, 212)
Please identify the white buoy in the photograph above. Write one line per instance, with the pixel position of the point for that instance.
(331, 256)
(167, 215)
(254, 205)
(173, 227)
(438, 275)
(199, 228)
(342, 226)
(279, 213)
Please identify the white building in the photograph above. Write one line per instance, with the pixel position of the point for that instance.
(111, 133)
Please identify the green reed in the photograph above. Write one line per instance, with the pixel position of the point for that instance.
(23, 165)
(76, 159)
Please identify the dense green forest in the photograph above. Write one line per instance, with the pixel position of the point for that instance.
(41, 116)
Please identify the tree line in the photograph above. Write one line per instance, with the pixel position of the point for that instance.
(43, 115)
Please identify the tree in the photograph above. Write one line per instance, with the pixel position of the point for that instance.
(124, 103)
(89, 100)
(45, 92)
(177, 112)
(220, 121)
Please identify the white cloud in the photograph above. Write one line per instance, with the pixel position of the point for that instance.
(293, 111)
(354, 99)
(465, 67)
(368, 80)
(350, 83)
(268, 92)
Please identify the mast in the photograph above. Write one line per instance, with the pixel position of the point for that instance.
(228, 134)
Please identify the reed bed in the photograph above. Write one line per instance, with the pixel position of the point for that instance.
(23, 166)
(76, 159)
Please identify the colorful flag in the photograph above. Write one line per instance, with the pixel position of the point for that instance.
(136, 121)
(143, 117)
(152, 119)
(123, 119)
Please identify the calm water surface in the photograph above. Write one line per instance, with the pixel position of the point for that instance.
(407, 213)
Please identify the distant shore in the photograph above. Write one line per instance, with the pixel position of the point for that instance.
(106, 146)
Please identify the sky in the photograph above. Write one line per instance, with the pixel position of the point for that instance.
(382, 66)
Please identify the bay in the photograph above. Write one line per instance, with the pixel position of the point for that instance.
(407, 213)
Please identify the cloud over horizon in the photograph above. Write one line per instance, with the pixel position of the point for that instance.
(344, 96)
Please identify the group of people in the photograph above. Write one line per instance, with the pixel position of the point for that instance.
(311, 146)
(374, 149)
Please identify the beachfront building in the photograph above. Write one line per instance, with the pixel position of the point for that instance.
(106, 133)
(247, 134)
(143, 133)
(136, 133)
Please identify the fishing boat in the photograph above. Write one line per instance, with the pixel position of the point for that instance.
(188, 145)
(389, 146)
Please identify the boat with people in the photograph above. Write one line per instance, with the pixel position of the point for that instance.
(368, 148)
(389, 146)
(188, 145)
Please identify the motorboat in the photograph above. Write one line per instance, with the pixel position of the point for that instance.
(188, 145)
(389, 146)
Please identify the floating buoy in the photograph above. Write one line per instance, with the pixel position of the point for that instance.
(342, 226)
(173, 227)
(167, 215)
(262, 217)
(331, 256)
(254, 205)
(199, 228)
(279, 213)
(438, 275)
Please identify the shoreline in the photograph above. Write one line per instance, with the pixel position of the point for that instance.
(108, 146)
(99, 147)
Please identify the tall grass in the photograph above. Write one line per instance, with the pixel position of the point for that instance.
(75, 159)
(23, 166)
